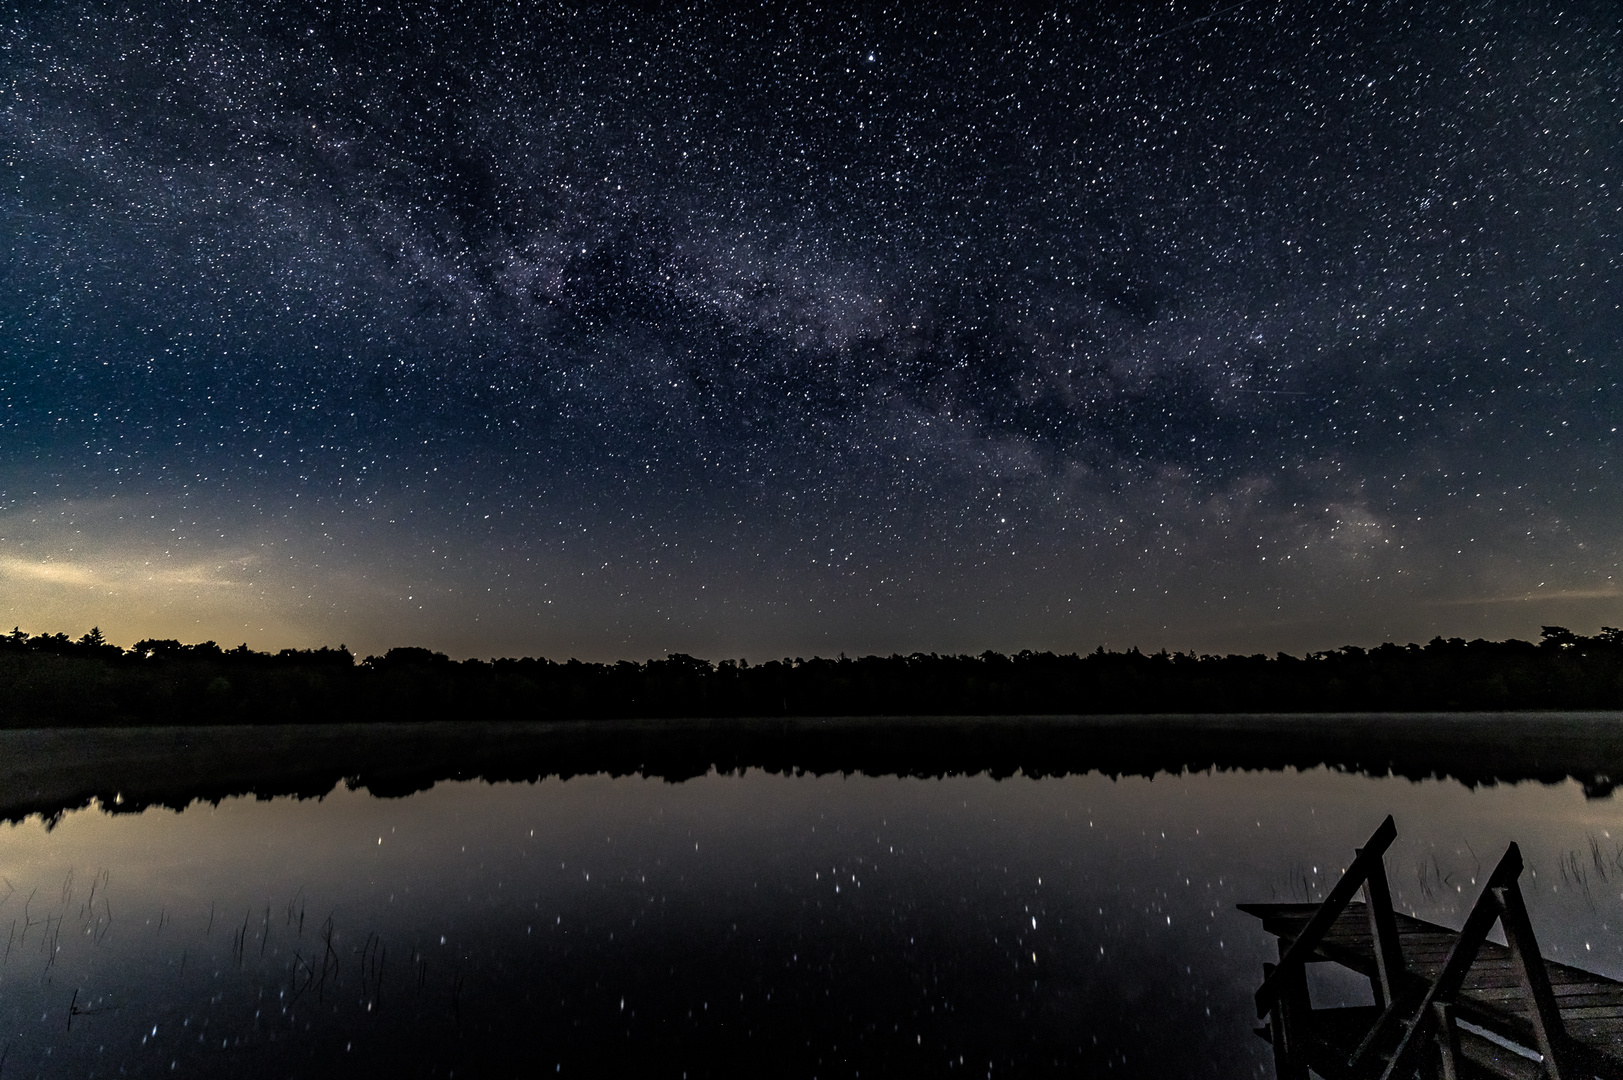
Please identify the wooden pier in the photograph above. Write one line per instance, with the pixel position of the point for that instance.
(1449, 1004)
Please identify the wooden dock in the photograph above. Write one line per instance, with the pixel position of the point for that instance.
(1449, 1003)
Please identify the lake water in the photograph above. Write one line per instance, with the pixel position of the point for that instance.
(745, 923)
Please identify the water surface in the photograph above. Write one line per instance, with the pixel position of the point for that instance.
(735, 923)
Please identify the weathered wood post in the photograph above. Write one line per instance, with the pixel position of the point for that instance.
(1383, 927)
(1535, 980)
(1448, 1040)
(1288, 1021)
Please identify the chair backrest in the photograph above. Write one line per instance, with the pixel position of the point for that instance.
(1365, 865)
(1499, 902)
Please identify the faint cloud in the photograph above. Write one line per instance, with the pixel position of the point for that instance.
(113, 574)
(1609, 592)
(51, 573)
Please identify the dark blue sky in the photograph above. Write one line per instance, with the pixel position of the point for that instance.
(512, 329)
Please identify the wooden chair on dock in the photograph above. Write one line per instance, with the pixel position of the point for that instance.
(1448, 1003)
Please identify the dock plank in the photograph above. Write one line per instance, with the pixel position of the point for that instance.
(1491, 996)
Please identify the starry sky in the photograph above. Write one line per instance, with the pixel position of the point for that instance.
(607, 331)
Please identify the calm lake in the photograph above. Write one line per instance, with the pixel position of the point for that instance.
(835, 924)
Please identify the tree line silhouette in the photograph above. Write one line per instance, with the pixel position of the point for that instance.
(52, 680)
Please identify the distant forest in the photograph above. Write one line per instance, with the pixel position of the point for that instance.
(54, 680)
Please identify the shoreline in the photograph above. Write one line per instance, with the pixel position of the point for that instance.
(51, 771)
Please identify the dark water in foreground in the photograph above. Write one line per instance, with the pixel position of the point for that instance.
(748, 923)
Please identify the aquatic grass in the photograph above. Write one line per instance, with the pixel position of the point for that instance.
(373, 955)
(97, 936)
(99, 880)
(269, 978)
(1575, 875)
(309, 977)
(1608, 866)
(295, 906)
(28, 918)
(1294, 884)
(1433, 879)
(329, 959)
(50, 941)
(240, 940)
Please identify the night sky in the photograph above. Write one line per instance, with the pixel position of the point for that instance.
(524, 329)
